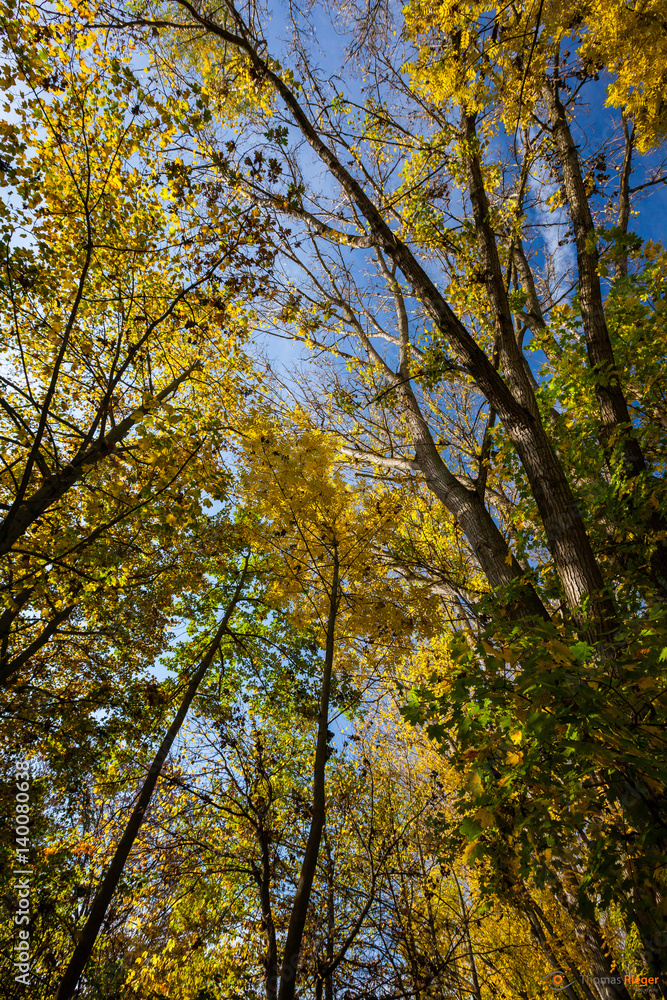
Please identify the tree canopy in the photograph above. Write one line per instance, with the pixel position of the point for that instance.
(333, 407)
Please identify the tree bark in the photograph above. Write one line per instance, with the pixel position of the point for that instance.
(612, 404)
(268, 924)
(570, 545)
(533, 315)
(91, 928)
(466, 505)
(22, 516)
(613, 407)
(539, 935)
(624, 197)
(593, 948)
(7, 670)
(566, 534)
(491, 550)
(297, 923)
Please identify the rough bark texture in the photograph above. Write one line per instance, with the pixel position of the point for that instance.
(511, 357)
(466, 505)
(578, 569)
(486, 540)
(611, 400)
(563, 524)
(612, 404)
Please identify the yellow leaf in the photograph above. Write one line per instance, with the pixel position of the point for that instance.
(470, 849)
(485, 817)
(474, 784)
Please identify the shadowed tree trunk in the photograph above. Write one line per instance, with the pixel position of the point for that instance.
(104, 894)
(297, 923)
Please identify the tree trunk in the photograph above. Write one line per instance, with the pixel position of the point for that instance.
(268, 925)
(7, 670)
(563, 524)
(594, 949)
(104, 894)
(611, 400)
(297, 923)
(491, 550)
(624, 197)
(539, 935)
(487, 542)
(22, 515)
(578, 569)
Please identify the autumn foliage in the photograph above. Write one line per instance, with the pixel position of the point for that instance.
(333, 549)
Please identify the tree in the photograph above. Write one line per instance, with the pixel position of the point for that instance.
(116, 391)
(479, 459)
(254, 772)
(105, 892)
(460, 119)
(308, 506)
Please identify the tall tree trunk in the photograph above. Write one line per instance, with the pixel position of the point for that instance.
(571, 547)
(268, 924)
(592, 945)
(297, 923)
(563, 524)
(489, 545)
(608, 390)
(539, 935)
(624, 197)
(651, 924)
(91, 928)
(466, 505)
